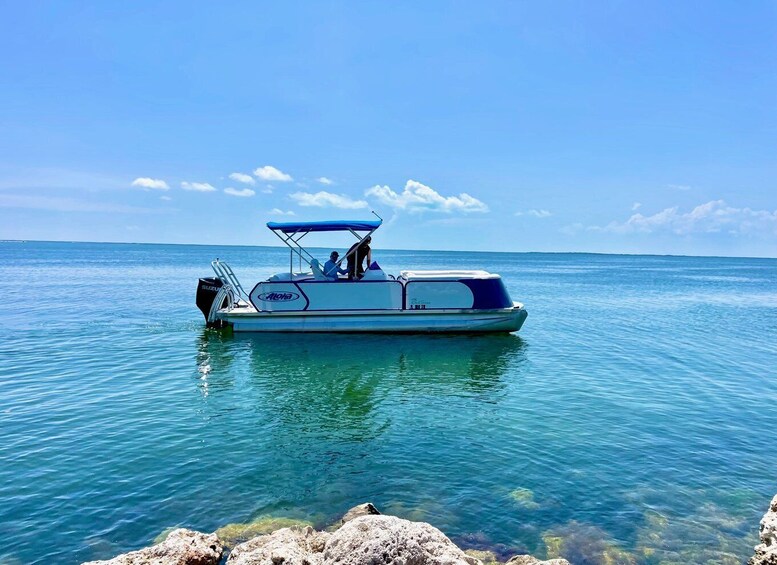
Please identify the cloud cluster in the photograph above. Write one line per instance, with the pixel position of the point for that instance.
(242, 177)
(279, 212)
(417, 197)
(414, 198)
(323, 199)
(244, 192)
(266, 174)
(269, 173)
(712, 217)
(153, 184)
(198, 186)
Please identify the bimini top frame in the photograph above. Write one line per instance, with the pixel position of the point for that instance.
(291, 233)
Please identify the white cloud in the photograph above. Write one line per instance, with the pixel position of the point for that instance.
(245, 192)
(326, 181)
(198, 186)
(165, 198)
(417, 197)
(682, 187)
(268, 173)
(712, 217)
(268, 189)
(324, 199)
(536, 213)
(636, 206)
(279, 212)
(154, 184)
(242, 177)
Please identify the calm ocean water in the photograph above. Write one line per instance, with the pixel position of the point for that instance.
(632, 419)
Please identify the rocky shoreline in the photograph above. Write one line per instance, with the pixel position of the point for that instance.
(766, 551)
(363, 536)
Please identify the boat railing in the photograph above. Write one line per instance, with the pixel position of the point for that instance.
(228, 278)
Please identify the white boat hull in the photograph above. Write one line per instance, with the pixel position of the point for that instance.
(386, 321)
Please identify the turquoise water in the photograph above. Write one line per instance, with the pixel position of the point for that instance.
(632, 420)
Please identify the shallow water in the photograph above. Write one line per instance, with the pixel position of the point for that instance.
(631, 421)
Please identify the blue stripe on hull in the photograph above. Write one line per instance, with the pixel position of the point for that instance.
(493, 321)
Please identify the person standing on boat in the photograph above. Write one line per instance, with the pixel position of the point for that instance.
(356, 258)
(331, 270)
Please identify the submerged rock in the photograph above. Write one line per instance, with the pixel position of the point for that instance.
(700, 538)
(366, 509)
(233, 534)
(524, 498)
(296, 545)
(182, 547)
(766, 551)
(476, 544)
(484, 556)
(529, 560)
(583, 543)
(387, 539)
(164, 534)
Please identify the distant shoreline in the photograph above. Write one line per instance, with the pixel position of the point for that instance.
(595, 253)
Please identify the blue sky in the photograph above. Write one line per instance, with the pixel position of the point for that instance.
(606, 127)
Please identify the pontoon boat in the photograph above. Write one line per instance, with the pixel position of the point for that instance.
(413, 301)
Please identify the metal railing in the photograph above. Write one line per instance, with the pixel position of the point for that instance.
(228, 279)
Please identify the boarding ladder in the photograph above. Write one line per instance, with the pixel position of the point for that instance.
(230, 289)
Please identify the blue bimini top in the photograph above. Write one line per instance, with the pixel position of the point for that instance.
(335, 225)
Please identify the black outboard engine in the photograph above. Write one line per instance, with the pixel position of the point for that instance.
(207, 289)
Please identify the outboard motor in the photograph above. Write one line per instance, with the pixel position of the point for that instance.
(207, 289)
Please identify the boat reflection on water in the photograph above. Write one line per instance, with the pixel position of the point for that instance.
(339, 380)
(470, 362)
(309, 423)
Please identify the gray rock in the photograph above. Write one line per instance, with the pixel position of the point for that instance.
(378, 539)
(766, 551)
(182, 547)
(366, 509)
(297, 545)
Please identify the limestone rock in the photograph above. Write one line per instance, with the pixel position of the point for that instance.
(296, 545)
(366, 509)
(182, 547)
(766, 551)
(368, 540)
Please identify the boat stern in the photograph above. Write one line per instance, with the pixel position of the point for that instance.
(519, 315)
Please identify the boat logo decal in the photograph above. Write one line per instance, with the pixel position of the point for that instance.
(276, 296)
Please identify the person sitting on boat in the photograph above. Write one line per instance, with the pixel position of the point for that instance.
(356, 256)
(331, 269)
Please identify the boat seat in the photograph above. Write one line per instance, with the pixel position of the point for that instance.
(318, 273)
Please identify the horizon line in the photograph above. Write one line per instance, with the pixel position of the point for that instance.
(390, 249)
